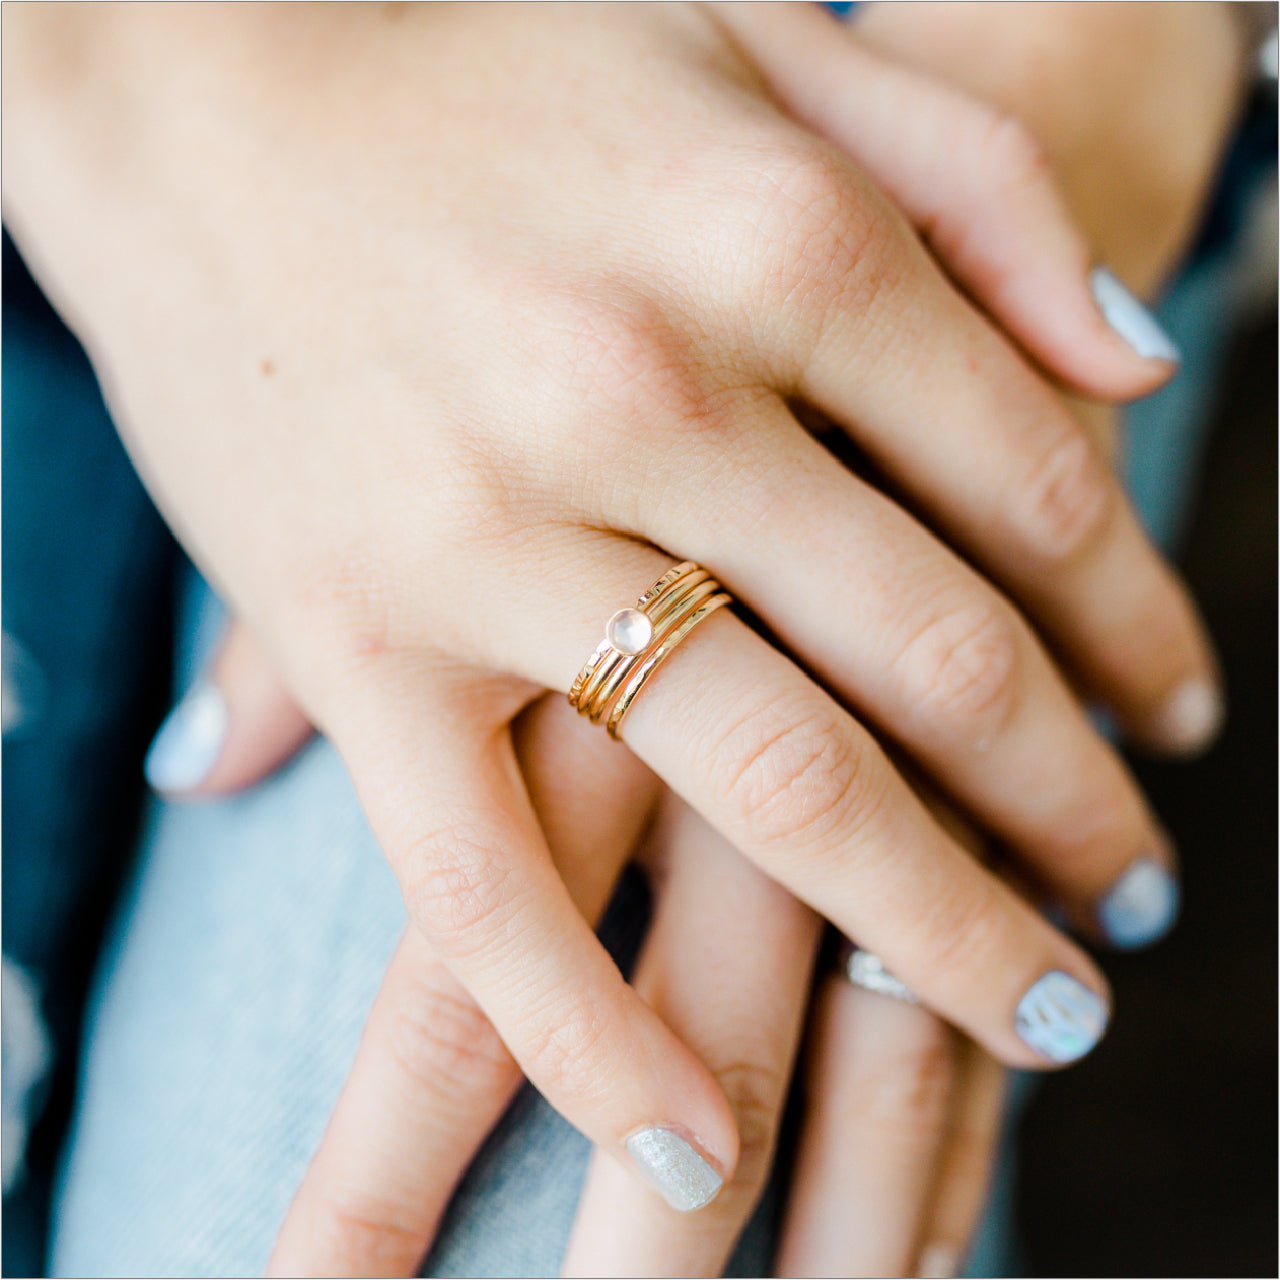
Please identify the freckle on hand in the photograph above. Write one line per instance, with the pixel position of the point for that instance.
(267, 368)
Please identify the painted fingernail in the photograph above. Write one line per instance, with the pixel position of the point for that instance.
(676, 1171)
(1191, 717)
(1060, 1018)
(1130, 319)
(1141, 906)
(190, 740)
(938, 1262)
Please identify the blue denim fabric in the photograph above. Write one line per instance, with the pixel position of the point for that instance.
(87, 594)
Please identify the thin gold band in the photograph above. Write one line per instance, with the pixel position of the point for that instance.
(672, 617)
(659, 656)
(611, 679)
(609, 666)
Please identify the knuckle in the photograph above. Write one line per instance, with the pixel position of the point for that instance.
(795, 775)
(962, 934)
(366, 1235)
(561, 1050)
(755, 1091)
(613, 356)
(910, 1093)
(962, 671)
(459, 891)
(1011, 151)
(1065, 503)
(440, 1039)
(821, 238)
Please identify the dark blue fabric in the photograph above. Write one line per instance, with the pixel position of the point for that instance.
(88, 568)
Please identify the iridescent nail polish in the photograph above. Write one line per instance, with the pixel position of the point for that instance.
(1060, 1018)
(1140, 907)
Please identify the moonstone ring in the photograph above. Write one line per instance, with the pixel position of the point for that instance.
(638, 640)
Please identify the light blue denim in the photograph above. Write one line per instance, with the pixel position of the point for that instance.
(242, 964)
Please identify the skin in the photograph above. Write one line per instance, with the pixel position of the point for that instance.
(337, 600)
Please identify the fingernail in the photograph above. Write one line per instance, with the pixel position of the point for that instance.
(938, 1262)
(1191, 717)
(676, 1171)
(190, 740)
(1060, 1018)
(1130, 319)
(1141, 906)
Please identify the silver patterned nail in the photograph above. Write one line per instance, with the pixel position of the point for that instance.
(1130, 319)
(190, 740)
(1141, 906)
(1060, 1018)
(682, 1177)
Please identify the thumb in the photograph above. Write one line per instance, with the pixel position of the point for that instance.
(978, 188)
(235, 726)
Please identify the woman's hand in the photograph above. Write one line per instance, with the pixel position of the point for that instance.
(427, 336)
(900, 1116)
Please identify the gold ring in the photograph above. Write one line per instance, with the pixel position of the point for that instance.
(638, 641)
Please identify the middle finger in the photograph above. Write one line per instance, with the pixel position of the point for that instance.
(928, 650)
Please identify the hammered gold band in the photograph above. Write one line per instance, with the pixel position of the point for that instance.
(639, 640)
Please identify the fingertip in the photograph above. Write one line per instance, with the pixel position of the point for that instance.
(1190, 719)
(190, 742)
(685, 1177)
(1141, 906)
(1061, 1019)
(1133, 323)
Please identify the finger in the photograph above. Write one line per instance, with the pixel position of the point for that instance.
(980, 189)
(966, 1165)
(432, 1076)
(726, 965)
(880, 1083)
(439, 782)
(998, 463)
(234, 727)
(878, 340)
(801, 788)
(430, 1079)
(920, 644)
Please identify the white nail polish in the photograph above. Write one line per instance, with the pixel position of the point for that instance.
(1060, 1018)
(1141, 906)
(938, 1262)
(675, 1170)
(1191, 717)
(190, 740)
(1130, 319)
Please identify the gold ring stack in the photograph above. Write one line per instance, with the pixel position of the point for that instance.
(638, 641)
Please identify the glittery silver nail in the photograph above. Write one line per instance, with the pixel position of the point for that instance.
(1130, 319)
(1060, 1018)
(682, 1177)
(1141, 906)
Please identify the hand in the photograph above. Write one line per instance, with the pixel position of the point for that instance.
(419, 376)
(901, 1115)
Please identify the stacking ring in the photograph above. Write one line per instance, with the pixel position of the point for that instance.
(638, 641)
(866, 970)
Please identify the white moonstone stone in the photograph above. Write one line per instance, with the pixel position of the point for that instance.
(629, 631)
